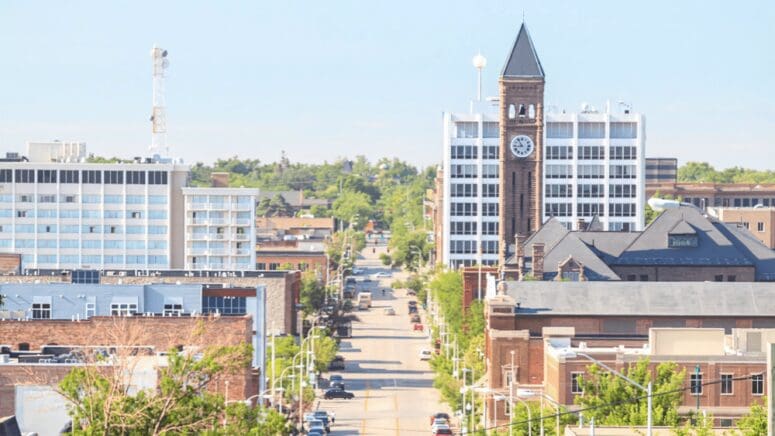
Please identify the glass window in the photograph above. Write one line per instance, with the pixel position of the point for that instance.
(135, 244)
(559, 130)
(559, 191)
(624, 130)
(467, 129)
(90, 198)
(224, 305)
(135, 259)
(69, 213)
(157, 177)
(172, 309)
(559, 152)
(757, 384)
(92, 243)
(591, 152)
(91, 176)
(559, 171)
(575, 382)
(157, 245)
(157, 230)
(695, 383)
(113, 199)
(114, 177)
(490, 129)
(157, 199)
(726, 384)
(47, 176)
(157, 214)
(135, 199)
(86, 277)
(123, 309)
(41, 310)
(592, 130)
(558, 209)
(68, 176)
(157, 260)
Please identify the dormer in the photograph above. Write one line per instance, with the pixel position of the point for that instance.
(682, 235)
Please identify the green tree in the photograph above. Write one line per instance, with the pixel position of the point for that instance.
(755, 422)
(325, 350)
(697, 425)
(313, 293)
(609, 396)
(242, 419)
(521, 419)
(353, 207)
(100, 402)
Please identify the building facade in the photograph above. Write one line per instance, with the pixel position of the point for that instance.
(220, 228)
(757, 220)
(65, 214)
(705, 195)
(471, 188)
(661, 170)
(594, 167)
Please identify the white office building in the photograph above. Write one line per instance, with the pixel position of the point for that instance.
(594, 166)
(471, 189)
(220, 228)
(58, 211)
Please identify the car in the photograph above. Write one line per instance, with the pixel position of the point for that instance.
(415, 318)
(337, 385)
(439, 422)
(338, 393)
(337, 364)
(381, 275)
(318, 432)
(336, 378)
(441, 431)
(439, 415)
(418, 327)
(425, 354)
(324, 416)
(412, 309)
(389, 311)
(357, 271)
(366, 280)
(411, 293)
(316, 424)
(318, 415)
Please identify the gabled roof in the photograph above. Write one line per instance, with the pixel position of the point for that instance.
(607, 245)
(682, 228)
(523, 60)
(594, 267)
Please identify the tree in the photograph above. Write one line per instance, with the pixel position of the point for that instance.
(325, 350)
(521, 419)
(755, 422)
(275, 206)
(313, 293)
(101, 402)
(609, 396)
(245, 420)
(353, 207)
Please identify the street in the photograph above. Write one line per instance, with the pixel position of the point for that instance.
(393, 388)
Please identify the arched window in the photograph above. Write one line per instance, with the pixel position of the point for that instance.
(531, 111)
(512, 112)
(522, 111)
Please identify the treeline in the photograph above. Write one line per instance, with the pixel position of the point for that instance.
(704, 172)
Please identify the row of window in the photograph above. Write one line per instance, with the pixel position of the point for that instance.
(470, 129)
(470, 247)
(75, 213)
(470, 228)
(43, 310)
(695, 383)
(87, 244)
(472, 152)
(88, 259)
(470, 209)
(110, 177)
(590, 191)
(555, 171)
(470, 190)
(470, 170)
(74, 228)
(618, 130)
(85, 199)
(589, 209)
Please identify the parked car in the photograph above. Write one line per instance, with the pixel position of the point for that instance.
(412, 309)
(357, 271)
(389, 311)
(425, 354)
(315, 416)
(439, 415)
(336, 378)
(337, 385)
(418, 327)
(338, 393)
(320, 414)
(441, 431)
(411, 292)
(415, 318)
(316, 425)
(337, 364)
(381, 275)
(439, 422)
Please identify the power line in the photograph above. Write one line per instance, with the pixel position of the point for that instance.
(613, 404)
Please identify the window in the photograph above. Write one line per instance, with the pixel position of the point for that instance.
(157, 214)
(575, 382)
(489, 209)
(273, 266)
(224, 305)
(623, 153)
(725, 422)
(91, 199)
(463, 209)
(718, 278)
(489, 190)
(591, 130)
(490, 129)
(68, 199)
(590, 209)
(489, 228)
(6, 176)
(559, 152)
(695, 383)
(135, 177)
(591, 152)
(558, 209)
(114, 177)
(261, 266)
(590, 191)
(157, 177)
(630, 277)
(622, 191)
(644, 277)
(621, 209)
(466, 129)
(123, 307)
(622, 172)
(757, 384)
(490, 152)
(559, 171)
(591, 171)
(559, 191)
(760, 226)
(173, 309)
(25, 176)
(86, 277)
(41, 307)
(462, 170)
(490, 171)
(462, 228)
(726, 384)
(47, 198)
(464, 152)
(68, 176)
(47, 176)
(680, 241)
(559, 130)
(135, 199)
(731, 278)
(620, 227)
(463, 190)
(91, 177)
(620, 130)
(157, 199)
(91, 307)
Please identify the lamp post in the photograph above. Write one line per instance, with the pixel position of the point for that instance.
(647, 388)
(511, 394)
(282, 375)
(529, 416)
(544, 396)
(466, 406)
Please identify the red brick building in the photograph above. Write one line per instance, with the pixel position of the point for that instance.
(472, 275)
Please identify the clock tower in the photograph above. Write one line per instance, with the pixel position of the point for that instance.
(521, 87)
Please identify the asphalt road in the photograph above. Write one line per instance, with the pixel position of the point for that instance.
(393, 388)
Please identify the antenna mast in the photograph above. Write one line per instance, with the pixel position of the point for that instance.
(159, 112)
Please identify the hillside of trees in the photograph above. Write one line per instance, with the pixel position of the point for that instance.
(704, 172)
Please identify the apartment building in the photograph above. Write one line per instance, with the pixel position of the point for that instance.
(58, 212)
(757, 220)
(220, 229)
(710, 194)
(661, 170)
(471, 190)
(594, 168)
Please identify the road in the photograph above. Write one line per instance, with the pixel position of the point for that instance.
(393, 388)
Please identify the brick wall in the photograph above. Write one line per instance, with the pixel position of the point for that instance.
(470, 277)
(686, 273)
(10, 263)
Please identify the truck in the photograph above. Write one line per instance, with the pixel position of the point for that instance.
(364, 300)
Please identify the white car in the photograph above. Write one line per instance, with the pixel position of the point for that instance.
(425, 354)
(390, 311)
(381, 275)
(357, 271)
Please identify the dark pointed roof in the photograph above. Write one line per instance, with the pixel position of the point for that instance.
(523, 60)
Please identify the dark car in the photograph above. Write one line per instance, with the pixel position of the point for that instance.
(337, 364)
(338, 393)
(412, 303)
(415, 319)
(412, 309)
(336, 378)
(441, 415)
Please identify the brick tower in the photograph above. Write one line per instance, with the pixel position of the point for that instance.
(521, 87)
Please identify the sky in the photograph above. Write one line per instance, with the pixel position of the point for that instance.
(327, 79)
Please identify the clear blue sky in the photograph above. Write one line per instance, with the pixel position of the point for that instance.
(322, 79)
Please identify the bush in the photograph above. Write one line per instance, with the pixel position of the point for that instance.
(386, 259)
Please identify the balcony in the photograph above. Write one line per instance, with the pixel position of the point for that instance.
(241, 237)
(217, 236)
(242, 252)
(241, 222)
(197, 252)
(243, 207)
(197, 236)
(196, 221)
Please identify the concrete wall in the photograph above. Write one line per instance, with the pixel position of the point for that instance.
(687, 342)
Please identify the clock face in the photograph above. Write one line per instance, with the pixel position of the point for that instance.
(522, 146)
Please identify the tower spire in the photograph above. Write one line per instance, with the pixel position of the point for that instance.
(523, 60)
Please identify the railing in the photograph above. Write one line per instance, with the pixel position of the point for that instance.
(241, 236)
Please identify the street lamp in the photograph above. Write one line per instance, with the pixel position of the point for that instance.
(647, 388)
(529, 393)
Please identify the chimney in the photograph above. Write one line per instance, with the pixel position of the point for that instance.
(520, 253)
(580, 224)
(538, 260)
(219, 180)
